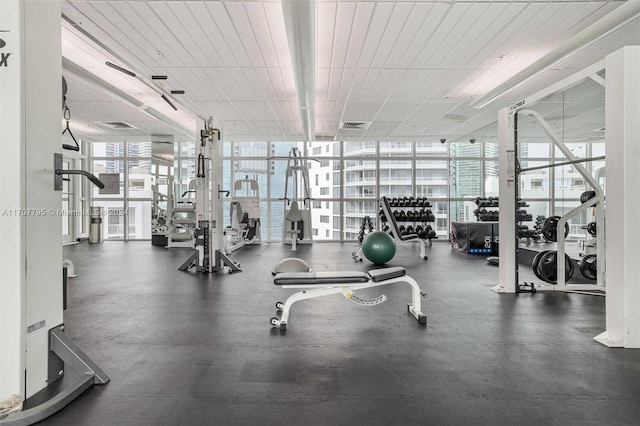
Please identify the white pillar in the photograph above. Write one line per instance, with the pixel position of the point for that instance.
(622, 149)
(506, 192)
(12, 192)
(31, 280)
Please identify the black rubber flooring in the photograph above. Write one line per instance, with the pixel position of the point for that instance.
(192, 349)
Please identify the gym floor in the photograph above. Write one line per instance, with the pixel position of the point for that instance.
(186, 348)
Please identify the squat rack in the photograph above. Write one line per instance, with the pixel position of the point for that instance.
(597, 202)
(508, 161)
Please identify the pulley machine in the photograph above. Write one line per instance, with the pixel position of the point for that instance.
(209, 255)
(297, 209)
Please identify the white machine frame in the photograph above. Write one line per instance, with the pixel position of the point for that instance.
(597, 202)
(245, 191)
(209, 253)
(622, 233)
(298, 170)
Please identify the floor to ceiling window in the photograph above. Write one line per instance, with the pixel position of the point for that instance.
(344, 180)
(127, 199)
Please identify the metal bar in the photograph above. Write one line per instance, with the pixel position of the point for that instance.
(565, 163)
(97, 182)
(74, 357)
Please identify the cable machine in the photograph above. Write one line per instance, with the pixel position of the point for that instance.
(297, 208)
(209, 255)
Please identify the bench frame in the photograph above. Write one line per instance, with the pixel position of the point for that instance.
(313, 291)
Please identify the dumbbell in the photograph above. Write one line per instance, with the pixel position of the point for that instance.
(410, 230)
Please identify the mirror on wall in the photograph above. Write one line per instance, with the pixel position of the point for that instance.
(162, 166)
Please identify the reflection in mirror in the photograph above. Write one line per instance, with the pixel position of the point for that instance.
(162, 158)
(473, 174)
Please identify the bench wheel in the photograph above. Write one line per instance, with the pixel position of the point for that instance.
(279, 306)
(275, 322)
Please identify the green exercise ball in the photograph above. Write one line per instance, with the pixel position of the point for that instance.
(378, 247)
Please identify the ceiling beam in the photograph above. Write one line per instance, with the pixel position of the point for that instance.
(112, 90)
(300, 26)
(599, 29)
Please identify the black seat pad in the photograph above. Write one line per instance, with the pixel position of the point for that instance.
(329, 277)
(338, 277)
(383, 274)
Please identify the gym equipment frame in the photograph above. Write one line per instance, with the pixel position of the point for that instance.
(209, 255)
(622, 233)
(320, 284)
(598, 202)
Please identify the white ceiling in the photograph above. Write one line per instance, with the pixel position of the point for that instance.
(410, 68)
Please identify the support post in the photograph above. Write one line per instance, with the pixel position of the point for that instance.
(622, 109)
(508, 272)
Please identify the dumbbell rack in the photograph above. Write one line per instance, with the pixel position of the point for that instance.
(492, 216)
(416, 211)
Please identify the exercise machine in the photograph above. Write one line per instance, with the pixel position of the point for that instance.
(173, 226)
(209, 255)
(297, 209)
(245, 225)
(320, 284)
(181, 218)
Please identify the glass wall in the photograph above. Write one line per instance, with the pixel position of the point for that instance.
(344, 180)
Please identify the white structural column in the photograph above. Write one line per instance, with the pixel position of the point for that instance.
(622, 123)
(30, 239)
(12, 191)
(506, 192)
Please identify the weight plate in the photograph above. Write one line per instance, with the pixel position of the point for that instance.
(536, 263)
(550, 228)
(548, 270)
(589, 267)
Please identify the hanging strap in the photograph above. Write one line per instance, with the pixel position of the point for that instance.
(200, 167)
(67, 117)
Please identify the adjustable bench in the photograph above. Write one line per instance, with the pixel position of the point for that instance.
(319, 284)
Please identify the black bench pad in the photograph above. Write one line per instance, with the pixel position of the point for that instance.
(338, 277)
(383, 274)
(329, 277)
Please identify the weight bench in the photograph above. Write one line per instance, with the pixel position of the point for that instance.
(319, 284)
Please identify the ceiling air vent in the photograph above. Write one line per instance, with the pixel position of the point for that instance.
(354, 125)
(118, 125)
